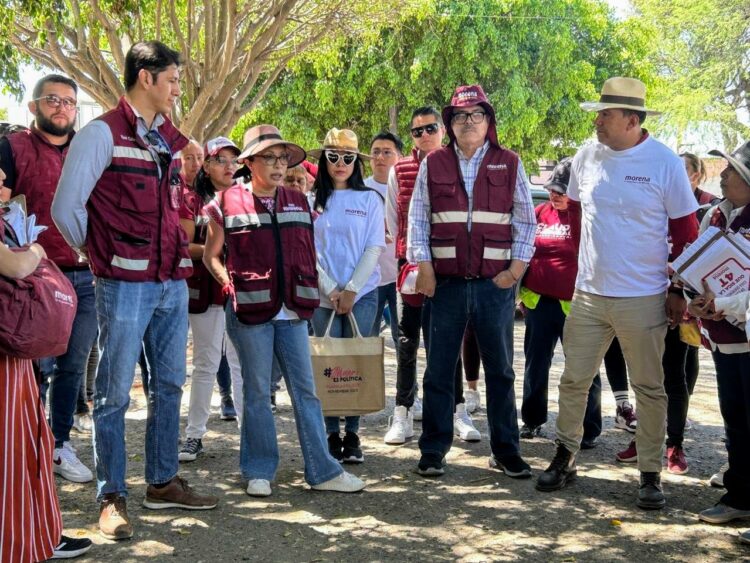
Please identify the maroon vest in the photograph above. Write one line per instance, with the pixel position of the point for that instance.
(134, 231)
(270, 257)
(38, 165)
(485, 251)
(724, 332)
(203, 289)
(406, 174)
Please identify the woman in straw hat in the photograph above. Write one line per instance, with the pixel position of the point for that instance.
(349, 238)
(260, 249)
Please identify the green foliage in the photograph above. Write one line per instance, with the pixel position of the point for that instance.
(536, 59)
(702, 53)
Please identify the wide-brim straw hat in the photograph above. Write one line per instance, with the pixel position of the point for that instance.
(339, 140)
(259, 138)
(623, 93)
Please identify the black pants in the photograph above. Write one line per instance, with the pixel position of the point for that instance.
(676, 386)
(733, 379)
(614, 363)
(544, 327)
(410, 321)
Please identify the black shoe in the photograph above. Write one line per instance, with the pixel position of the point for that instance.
(530, 432)
(335, 446)
(560, 471)
(71, 547)
(228, 412)
(650, 495)
(352, 452)
(513, 466)
(431, 465)
(588, 443)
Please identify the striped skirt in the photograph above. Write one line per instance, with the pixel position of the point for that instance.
(30, 520)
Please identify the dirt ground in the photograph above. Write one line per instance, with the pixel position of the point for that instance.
(471, 514)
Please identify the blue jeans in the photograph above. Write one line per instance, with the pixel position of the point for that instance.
(544, 328)
(66, 371)
(387, 295)
(256, 346)
(364, 313)
(490, 309)
(133, 316)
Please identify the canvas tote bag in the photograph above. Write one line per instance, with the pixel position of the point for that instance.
(349, 372)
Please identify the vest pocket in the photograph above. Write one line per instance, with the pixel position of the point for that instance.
(182, 258)
(441, 189)
(131, 253)
(499, 195)
(444, 255)
(253, 294)
(140, 197)
(305, 291)
(496, 253)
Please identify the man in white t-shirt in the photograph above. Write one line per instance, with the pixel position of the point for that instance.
(629, 192)
(386, 148)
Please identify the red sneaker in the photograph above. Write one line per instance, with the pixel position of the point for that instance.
(629, 455)
(676, 462)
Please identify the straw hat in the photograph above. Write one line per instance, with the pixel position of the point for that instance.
(622, 93)
(259, 138)
(739, 159)
(339, 140)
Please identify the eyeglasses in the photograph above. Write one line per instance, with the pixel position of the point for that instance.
(333, 157)
(160, 146)
(224, 161)
(386, 153)
(461, 117)
(430, 129)
(272, 160)
(54, 102)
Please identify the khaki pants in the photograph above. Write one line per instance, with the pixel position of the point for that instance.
(640, 324)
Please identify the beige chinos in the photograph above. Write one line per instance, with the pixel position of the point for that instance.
(640, 324)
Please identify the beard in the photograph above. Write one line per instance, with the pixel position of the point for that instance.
(48, 126)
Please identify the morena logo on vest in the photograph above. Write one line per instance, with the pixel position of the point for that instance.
(64, 298)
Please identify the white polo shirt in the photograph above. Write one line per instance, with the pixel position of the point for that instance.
(627, 198)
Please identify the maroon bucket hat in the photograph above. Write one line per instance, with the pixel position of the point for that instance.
(466, 96)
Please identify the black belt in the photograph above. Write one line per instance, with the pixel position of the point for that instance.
(73, 268)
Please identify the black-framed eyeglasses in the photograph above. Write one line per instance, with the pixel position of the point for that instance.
(333, 157)
(461, 117)
(272, 159)
(54, 102)
(430, 129)
(224, 161)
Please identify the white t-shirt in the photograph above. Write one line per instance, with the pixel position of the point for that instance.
(352, 221)
(387, 261)
(626, 200)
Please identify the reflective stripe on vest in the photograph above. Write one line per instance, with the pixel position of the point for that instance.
(444, 251)
(194, 293)
(307, 292)
(293, 217)
(246, 220)
(132, 152)
(185, 263)
(130, 264)
(490, 217)
(249, 297)
(495, 253)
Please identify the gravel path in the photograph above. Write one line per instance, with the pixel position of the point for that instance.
(471, 514)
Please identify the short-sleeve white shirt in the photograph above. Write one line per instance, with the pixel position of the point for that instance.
(627, 198)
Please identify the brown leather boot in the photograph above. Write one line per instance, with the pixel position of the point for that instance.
(178, 494)
(114, 523)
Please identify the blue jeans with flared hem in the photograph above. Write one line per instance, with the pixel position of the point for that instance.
(256, 346)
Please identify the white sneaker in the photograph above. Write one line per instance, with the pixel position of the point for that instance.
(401, 426)
(66, 464)
(473, 400)
(83, 422)
(343, 483)
(717, 479)
(463, 425)
(416, 409)
(258, 488)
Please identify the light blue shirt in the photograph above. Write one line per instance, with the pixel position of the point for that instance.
(523, 220)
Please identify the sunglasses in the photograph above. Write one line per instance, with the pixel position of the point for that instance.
(333, 157)
(430, 129)
(54, 102)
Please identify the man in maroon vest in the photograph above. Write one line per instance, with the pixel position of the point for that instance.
(729, 345)
(471, 231)
(32, 161)
(117, 204)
